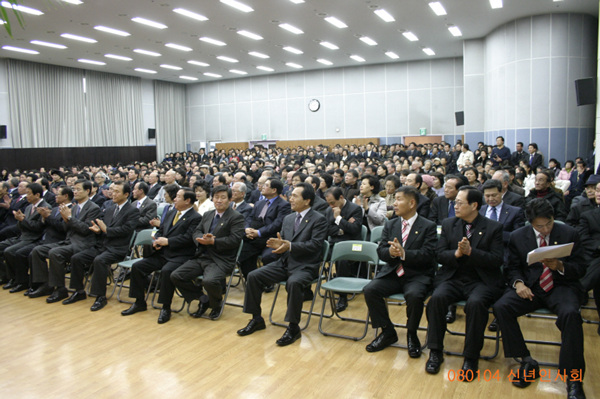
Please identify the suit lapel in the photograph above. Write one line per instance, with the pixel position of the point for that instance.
(415, 230)
(503, 215)
(478, 232)
(303, 223)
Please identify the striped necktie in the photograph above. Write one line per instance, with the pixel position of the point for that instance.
(400, 269)
(546, 281)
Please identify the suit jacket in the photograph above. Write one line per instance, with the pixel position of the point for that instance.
(246, 210)
(524, 240)
(254, 196)
(589, 231)
(98, 199)
(515, 158)
(181, 244)
(153, 191)
(271, 224)
(147, 212)
(50, 198)
(419, 260)
(228, 233)
(579, 206)
(515, 189)
(347, 230)
(32, 227)
(511, 218)
(376, 216)
(78, 228)
(439, 210)
(119, 229)
(55, 228)
(16, 204)
(538, 160)
(424, 206)
(557, 201)
(487, 253)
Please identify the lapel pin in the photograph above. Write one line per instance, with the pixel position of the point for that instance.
(555, 243)
(480, 233)
(306, 221)
(416, 232)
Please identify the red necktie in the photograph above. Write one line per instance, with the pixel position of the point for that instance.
(400, 269)
(546, 281)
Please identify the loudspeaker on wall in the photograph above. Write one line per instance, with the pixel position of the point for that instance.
(3, 131)
(585, 91)
(151, 133)
(460, 118)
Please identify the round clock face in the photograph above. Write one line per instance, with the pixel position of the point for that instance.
(314, 105)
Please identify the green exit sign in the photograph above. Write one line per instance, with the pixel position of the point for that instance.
(423, 131)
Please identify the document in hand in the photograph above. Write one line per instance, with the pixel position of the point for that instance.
(549, 252)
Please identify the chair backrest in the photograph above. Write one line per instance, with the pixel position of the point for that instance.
(144, 237)
(376, 234)
(359, 251)
(363, 233)
(325, 250)
(161, 208)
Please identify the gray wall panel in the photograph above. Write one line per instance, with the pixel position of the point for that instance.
(540, 36)
(419, 75)
(375, 114)
(295, 85)
(558, 84)
(243, 114)
(523, 38)
(227, 120)
(277, 87)
(397, 76)
(355, 115)
(442, 73)
(227, 91)
(278, 120)
(260, 88)
(375, 78)
(523, 98)
(260, 119)
(212, 122)
(419, 107)
(560, 31)
(334, 81)
(333, 107)
(540, 90)
(442, 111)
(243, 89)
(314, 83)
(397, 113)
(354, 80)
(211, 93)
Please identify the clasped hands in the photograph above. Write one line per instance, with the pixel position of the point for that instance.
(98, 226)
(278, 244)
(251, 233)
(464, 248)
(396, 250)
(206, 239)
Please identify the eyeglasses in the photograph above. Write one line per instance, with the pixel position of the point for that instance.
(459, 203)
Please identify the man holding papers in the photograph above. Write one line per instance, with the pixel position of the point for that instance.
(552, 283)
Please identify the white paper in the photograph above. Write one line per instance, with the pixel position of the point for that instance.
(549, 252)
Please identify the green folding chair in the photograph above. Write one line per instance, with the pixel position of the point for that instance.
(143, 237)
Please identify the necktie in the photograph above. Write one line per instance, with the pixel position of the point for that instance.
(77, 208)
(468, 228)
(234, 206)
(546, 281)
(451, 213)
(298, 220)
(400, 269)
(263, 211)
(117, 209)
(177, 215)
(32, 210)
(494, 214)
(214, 223)
(530, 159)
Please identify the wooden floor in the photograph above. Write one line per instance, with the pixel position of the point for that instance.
(57, 351)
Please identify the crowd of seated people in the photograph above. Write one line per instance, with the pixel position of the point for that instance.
(491, 205)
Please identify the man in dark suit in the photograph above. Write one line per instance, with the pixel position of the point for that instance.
(535, 159)
(147, 208)
(424, 205)
(511, 217)
(470, 251)
(508, 197)
(300, 246)
(408, 245)
(48, 195)
(17, 203)
(256, 194)
(153, 184)
(320, 205)
(443, 207)
(78, 220)
(217, 238)
(519, 155)
(238, 193)
(553, 284)
(266, 220)
(113, 231)
(97, 196)
(174, 245)
(585, 202)
(543, 189)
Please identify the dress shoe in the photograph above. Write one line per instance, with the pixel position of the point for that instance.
(11, 283)
(202, 308)
(342, 304)
(436, 358)
(164, 316)
(99, 303)
(451, 315)
(134, 309)
(18, 288)
(289, 337)
(58, 295)
(43, 290)
(528, 372)
(382, 341)
(28, 291)
(469, 368)
(414, 345)
(575, 390)
(269, 288)
(253, 326)
(493, 325)
(215, 312)
(308, 295)
(76, 297)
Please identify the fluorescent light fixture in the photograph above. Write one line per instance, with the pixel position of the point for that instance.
(47, 44)
(410, 36)
(257, 54)
(178, 47)
(76, 2)
(2, 22)
(237, 5)
(357, 58)
(293, 50)
(191, 14)
(428, 51)
(85, 61)
(18, 7)
(249, 35)
(227, 59)
(293, 65)
(297, 1)
(199, 63)
(212, 75)
(144, 70)
(383, 14)
(392, 55)
(496, 3)
(265, 68)
(118, 57)
(80, 38)
(330, 46)
(368, 40)
(238, 72)
(20, 50)
(336, 22)
(291, 28)
(148, 22)
(324, 61)
(173, 67)
(437, 8)
(187, 77)
(111, 30)
(455, 31)
(146, 52)
(213, 41)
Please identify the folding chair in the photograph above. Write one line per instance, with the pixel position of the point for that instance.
(361, 251)
(318, 281)
(143, 237)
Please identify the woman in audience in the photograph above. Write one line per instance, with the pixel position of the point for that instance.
(471, 174)
(565, 173)
(438, 183)
(203, 203)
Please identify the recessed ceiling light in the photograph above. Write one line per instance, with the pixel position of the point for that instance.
(368, 41)
(410, 36)
(80, 38)
(428, 51)
(357, 58)
(178, 47)
(213, 41)
(167, 66)
(148, 22)
(291, 28)
(330, 46)
(265, 68)
(249, 35)
(257, 54)
(111, 30)
(392, 55)
(455, 31)
(496, 3)
(227, 59)
(146, 52)
(199, 63)
(336, 22)
(144, 70)
(18, 7)
(191, 14)
(437, 8)
(293, 65)
(47, 44)
(383, 14)
(188, 77)
(76, 2)
(237, 5)
(293, 50)
(118, 57)
(212, 75)
(91, 62)
(324, 61)
(238, 72)
(20, 50)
